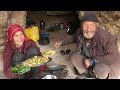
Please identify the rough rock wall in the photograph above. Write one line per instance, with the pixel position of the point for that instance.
(109, 20)
(7, 18)
(58, 12)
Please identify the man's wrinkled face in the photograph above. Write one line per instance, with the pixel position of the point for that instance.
(18, 38)
(89, 29)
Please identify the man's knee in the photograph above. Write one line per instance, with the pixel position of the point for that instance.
(101, 71)
(77, 61)
(75, 55)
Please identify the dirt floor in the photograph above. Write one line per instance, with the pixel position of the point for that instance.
(54, 36)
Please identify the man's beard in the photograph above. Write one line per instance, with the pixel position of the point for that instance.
(89, 34)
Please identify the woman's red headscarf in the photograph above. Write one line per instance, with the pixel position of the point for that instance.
(12, 31)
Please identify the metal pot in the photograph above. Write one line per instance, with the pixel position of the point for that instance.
(50, 77)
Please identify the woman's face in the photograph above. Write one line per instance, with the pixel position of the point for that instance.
(18, 38)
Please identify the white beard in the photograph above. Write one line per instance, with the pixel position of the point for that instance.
(88, 35)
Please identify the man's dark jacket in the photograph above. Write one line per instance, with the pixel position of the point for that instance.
(103, 48)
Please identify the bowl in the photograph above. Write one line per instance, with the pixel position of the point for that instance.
(50, 77)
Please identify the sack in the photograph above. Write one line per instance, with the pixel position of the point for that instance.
(33, 33)
(73, 27)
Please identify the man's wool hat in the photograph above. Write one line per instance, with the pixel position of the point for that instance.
(89, 16)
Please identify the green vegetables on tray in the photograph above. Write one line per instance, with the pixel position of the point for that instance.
(20, 69)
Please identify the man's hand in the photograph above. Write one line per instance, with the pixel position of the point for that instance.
(87, 63)
(58, 44)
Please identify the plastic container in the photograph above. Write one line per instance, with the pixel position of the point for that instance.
(33, 33)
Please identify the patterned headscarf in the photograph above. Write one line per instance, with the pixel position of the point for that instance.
(12, 30)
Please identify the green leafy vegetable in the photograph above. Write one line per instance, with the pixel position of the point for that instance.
(20, 69)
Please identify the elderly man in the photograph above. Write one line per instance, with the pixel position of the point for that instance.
(96, 49)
